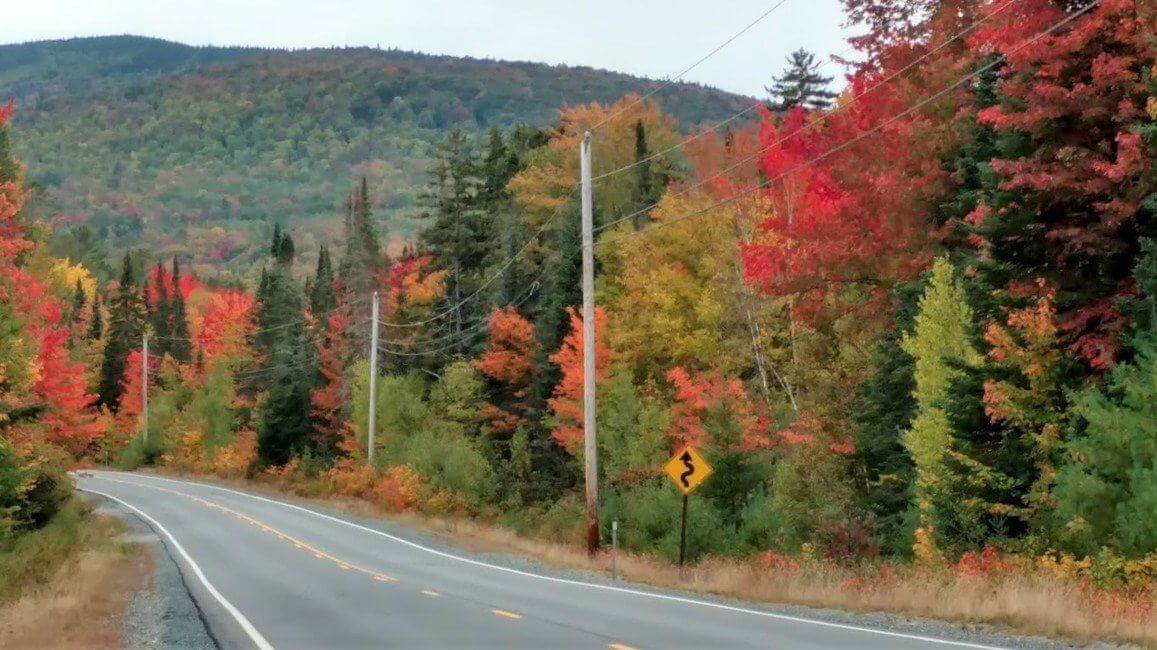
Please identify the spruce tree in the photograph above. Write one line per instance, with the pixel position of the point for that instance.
(884, 409)
(162, 319)
(322, 299)
(801, 84)
(96, 323)
(79, 299)
(460, 235)
(179, 343)
(289, 368)
(647, 190)
(127, 318)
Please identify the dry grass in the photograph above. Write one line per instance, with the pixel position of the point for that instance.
(1013, 599)
(81, 603)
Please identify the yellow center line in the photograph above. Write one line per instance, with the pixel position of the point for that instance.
(505, 614)
(297, 543)
(430, 592)
(619, 646)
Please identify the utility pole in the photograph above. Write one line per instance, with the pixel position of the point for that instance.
(371, 420)
(145, 387)
(590, 442)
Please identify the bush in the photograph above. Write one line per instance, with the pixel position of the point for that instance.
(141, 452)
(32, 489)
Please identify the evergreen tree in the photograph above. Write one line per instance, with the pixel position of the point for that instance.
(801, 84)
(79, 299)
(939, 345)
(1107, 494)
(647, 190)
(498, 166)
(96, 324)
(322, 299)
(460, 235)
(162, 319)
(884, 410)
(179, 337)
(289, 363)
(127, 318)
(285, 428)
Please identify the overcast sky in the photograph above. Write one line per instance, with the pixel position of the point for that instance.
(655, 38)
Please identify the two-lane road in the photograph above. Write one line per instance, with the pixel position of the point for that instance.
(272, 574)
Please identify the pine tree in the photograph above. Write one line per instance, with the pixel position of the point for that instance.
(801, 84)
(179, 338)
(127, 318)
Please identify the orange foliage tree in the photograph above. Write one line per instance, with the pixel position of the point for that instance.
(567, 402)
(508, 364)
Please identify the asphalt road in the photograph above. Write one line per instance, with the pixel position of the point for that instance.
(272, 574)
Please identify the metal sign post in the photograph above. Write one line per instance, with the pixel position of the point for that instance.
(687, 470)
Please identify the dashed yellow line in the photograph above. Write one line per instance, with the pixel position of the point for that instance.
(505, 614)
(430, 592)
(619, 646)
(297, 543)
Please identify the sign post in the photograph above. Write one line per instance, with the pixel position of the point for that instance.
(688, 470)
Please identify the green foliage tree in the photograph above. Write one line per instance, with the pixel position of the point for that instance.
(290, 363)
(96, 323)
(1107, 491)
(459, 233)
(180, 345)
(939, 344)
(322, 299)
(884, 410)
(801, 84)
(128, 315)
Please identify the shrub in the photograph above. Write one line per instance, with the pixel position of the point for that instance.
(33, 487)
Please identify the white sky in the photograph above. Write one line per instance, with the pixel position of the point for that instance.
(654, 38)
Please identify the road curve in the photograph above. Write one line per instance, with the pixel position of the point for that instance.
(272, 574)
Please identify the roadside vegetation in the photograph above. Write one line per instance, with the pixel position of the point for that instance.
(913, 327)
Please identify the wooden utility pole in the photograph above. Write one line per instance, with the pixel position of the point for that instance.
(590, 441)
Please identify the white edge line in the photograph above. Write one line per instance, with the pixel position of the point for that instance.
(577, 583)
(254, 635)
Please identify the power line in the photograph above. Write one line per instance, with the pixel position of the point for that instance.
(470, 332)
(671, 80)
(752, 107)
(847, 143)
(542, 228)
(787, 137)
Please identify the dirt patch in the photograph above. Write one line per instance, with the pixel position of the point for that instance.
(82, 605)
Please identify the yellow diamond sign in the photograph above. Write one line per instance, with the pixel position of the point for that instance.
(687, 469)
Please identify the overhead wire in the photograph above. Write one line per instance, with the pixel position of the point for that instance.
(969, 77)
(718, 125)
(672, 80)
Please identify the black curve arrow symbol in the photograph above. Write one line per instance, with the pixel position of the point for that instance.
(686, 458)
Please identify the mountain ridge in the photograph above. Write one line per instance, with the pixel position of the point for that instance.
(160, 144)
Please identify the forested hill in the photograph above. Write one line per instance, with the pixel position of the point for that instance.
(163, 144)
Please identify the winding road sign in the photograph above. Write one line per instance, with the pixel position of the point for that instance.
(687, 469)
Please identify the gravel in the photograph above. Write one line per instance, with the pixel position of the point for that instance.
(162, 614)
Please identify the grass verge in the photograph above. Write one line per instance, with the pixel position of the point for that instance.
(68, 584)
